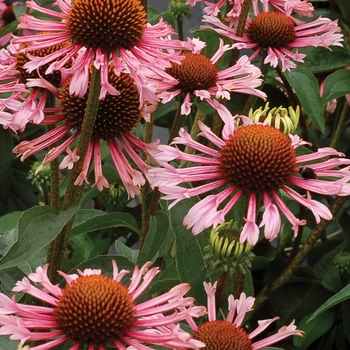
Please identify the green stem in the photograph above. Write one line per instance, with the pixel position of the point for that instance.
(73, 194)
(221, 289)
(240, 29)
(340, 125)
(295, 101)
(177, 123)
(180, 29)
(239, 283)
(252, 98)
(54, 165)
(294, 264)
(200, 116)
(146, 188)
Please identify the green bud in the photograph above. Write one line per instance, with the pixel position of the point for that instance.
(225, 253)
(281, 118)
(179, 9)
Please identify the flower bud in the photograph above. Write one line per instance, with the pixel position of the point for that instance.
(225, 253)
(281, 118)
(179, 9)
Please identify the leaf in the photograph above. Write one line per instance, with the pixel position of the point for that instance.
(126, 252)
(190, 265)
(100, 222)
(37, 227)
(9, 221)
(342, 295)
(313, 330)
(336, 85)
(319, 59)
(6, 343)
(307, 89)
(155, 237)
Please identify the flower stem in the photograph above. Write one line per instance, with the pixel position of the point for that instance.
(294, 98)
(340, 125)
(200, 116)
(239, 283)
(240, 28)
(54, 166)
(221, 289)
(252, 98)
(73, 193)
(177, 123)
(295, 263)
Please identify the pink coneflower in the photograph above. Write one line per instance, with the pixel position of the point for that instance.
(301, 7)
(117, 116)
(198, 77)
(38, 84)
(6, 17)
(256, 161)
(278, 33)
(11, 88)
(95, 310)
(229, 333)
(101, 30)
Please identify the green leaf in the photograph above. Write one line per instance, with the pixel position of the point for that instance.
(319, 59)
(6, 343)
(37, 227)
(167, 279)
(342, 295)
(336, 85)
(126, 252)
(189, 257)
(155, 237)
(307, 89)
(313, 330)
(9, 221)
(100, 222)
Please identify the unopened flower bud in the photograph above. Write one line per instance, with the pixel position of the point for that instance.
(179, 9)
(41, 179)
(342, 262)
(225, 253)
(281, 118)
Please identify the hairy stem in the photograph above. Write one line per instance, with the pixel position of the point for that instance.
(73, 194)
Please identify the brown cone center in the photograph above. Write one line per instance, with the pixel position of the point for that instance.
(272, 29)
(95, 310)
(196, 72)
(107, 24)
(258, 158)
(116, 115)
(223, 335)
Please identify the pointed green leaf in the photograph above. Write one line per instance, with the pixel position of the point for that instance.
(313, 330)
(6, 343)
(307, 89)
(342, 295)
(126, 252)
(100, 222)
(155, 237)
(37, 227)
(336, 85)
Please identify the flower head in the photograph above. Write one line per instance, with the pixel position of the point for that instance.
(101, 30)
(117, 116)
(198, 76)
(96, 310)
(229, 333)
(256, 161)
(278, 33)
